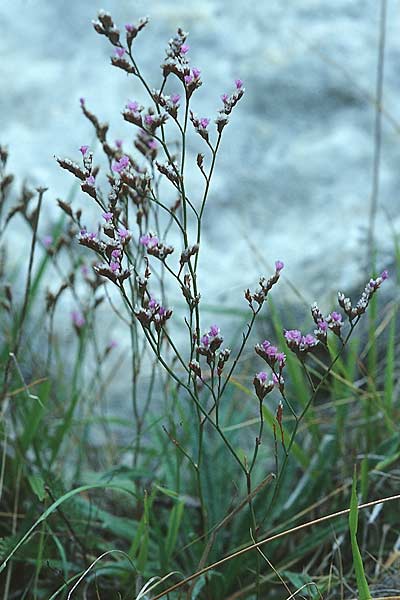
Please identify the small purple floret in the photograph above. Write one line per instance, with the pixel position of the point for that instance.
(337, 317)
(309, 340)
(262, 376)
(77, 319)
(214, 330)
(153, 303)
(133, 106)
(205, 340)
(121, 164)
(293, 335)
(123, 233)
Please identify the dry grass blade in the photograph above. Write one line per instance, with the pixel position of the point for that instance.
(226, 559)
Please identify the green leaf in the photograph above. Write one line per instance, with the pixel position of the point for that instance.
(362, 585)
(175, 519)
(390, 364)
(37, 485)
(53, 507)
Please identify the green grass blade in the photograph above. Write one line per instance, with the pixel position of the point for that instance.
(362, 585)
(390, 364)
(173, 528)
(53, 507)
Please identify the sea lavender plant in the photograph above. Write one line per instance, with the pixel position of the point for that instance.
(148, 193)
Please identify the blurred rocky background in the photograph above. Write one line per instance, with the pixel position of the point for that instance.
(294, 176)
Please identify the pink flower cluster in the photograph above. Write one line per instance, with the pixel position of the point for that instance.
(121, 164)
(153, 312)
(276, 360)
(299, 343)
(264, 386)
(210, 341)
(193, 77)
(148, 240)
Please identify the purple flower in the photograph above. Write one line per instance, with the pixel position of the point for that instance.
(279, 266)
(205, 340)
(123, 233)
(204, 122)
(90, 180)
(118, 143)
(114, 266)
(224, 98)
(153, 241)
(175, 98)
(277, 379)
(162, 311)
(149, 119)
(77, 319)
(188, 79)
(153, 303)
(85, 233)
(144, 239)
(82, 101)
(152, 144)
(262, 376)
(121, 164)
(185, 48)
(323, 325)
(272, 351)
(47, 241)
(293, 335)
(214, 330)
(337, 317)
(129, 27)
(238, 83)
(107, 216)
(116, 253)
(384, 275)
(133, 106)
(196, 73)
(309, 340)
(84, 149)
(266, 344)
(149, 240)
(281, 358)
(120, 52)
